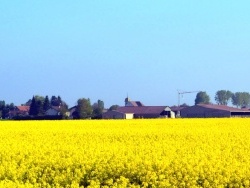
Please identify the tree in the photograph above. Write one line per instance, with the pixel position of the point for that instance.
(241, 99)
(56, 101)
(84, 108)
(28, 103)
(184, 105)
(33, 108)
(223, 96)
(98, 109)
(246, 99)
(5, 112)
(2, 105)
(202, 98)
(113, 107)
(36, 106)
(63, 111)
(11, 106)
(6, 109)
(46, 104)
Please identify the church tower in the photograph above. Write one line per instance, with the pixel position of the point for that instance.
(127, 100)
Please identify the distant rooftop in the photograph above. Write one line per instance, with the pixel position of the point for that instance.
(223, 107)
(128, 102)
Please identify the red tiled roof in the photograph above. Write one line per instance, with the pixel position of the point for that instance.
(223, 107)
(23, 108)
(142, 109)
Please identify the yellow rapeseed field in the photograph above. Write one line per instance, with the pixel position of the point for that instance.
(125, 153)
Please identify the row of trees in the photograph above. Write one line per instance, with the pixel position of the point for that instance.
(39, 105)
(84, 109)
(223, 97)
(5, 109)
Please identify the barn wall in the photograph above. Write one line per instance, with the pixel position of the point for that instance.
(138, 116)
(240, 114)
(201, 112)
(113, 115)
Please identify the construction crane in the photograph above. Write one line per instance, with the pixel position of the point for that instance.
(184, 92)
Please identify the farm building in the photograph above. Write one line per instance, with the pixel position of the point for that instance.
(211, 110)
(177, 110)
(114, 114)
(131, 112)
(128, 102)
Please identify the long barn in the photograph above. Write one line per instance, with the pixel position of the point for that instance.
(136, 112)
(211, 110)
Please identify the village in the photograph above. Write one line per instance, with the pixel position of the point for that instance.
(137, 110)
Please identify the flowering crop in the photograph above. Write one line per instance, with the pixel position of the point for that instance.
(125, 153)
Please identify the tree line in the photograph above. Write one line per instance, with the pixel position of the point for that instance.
(223, 97)
(39, 105)
(84, 109)
(5, 109)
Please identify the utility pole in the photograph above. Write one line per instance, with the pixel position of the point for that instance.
(184, 92)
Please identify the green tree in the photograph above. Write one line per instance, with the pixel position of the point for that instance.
(46, 104)
(184, 105)
(246, 99)
(64, 111)
(2, 105)
(28, 103)
(202, 98)
(84, 108)
(241, 99)
(11, 106)
(98, 109)
(33, 109)
(223, 96)
(36, 106)
(6, 110)
(113, 107)
(56, 101)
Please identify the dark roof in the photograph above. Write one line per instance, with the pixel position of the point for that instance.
(223, 107)
(177, 108)
(142, 109)
(136, 103)
(57, 108)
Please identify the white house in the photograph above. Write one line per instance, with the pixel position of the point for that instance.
(53, 111)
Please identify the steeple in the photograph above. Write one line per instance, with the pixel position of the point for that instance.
(126, 100)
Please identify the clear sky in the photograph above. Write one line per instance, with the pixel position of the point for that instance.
(107, 49)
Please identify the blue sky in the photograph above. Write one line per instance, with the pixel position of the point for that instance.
(108, 49)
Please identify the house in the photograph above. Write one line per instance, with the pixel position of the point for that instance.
(53, 111)
(212, 110)
(19, 111)
(136, 112)
(136, 109)
(73, 112)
